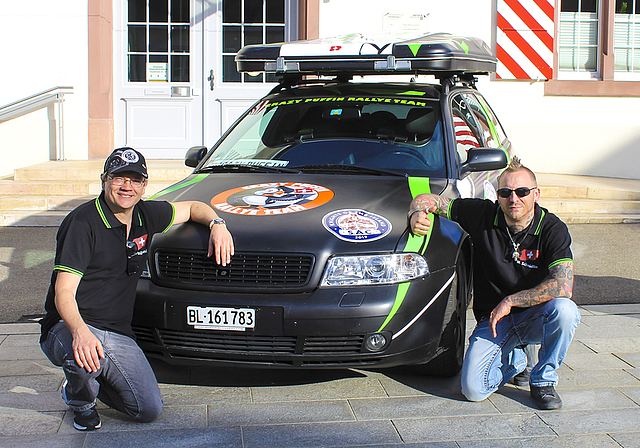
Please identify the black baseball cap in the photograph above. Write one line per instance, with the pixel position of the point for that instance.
(125, 159)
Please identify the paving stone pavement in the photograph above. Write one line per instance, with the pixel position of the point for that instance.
(225, 407)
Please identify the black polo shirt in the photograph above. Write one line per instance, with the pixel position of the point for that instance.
(545, 243)
(92, 243)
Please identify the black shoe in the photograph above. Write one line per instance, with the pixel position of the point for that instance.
(521, 379)
(546, 397)
(88, 420)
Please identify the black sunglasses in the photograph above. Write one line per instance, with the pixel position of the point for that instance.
(520, 192)
(132, 265)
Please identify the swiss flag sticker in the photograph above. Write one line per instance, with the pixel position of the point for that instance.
(528, 255)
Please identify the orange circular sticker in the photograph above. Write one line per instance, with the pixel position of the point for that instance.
(274, 198)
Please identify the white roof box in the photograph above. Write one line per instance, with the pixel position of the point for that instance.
(358, 55)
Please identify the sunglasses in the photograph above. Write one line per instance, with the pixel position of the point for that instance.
(132, 265)
(520, 192)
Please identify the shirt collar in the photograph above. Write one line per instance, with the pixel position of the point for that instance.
(109, 219)
(533, 229)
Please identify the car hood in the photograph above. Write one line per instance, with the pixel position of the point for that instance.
(319, 214)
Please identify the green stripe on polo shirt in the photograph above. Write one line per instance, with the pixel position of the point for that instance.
(67, 269)
(562, 260)
(537, 232)
(101, 213)
(173, 217)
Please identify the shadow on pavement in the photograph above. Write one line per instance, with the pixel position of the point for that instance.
(590, 290)
(244, 377)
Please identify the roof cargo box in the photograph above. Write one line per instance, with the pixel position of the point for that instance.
(359, 55)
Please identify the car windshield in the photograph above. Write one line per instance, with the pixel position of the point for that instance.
(398, 135)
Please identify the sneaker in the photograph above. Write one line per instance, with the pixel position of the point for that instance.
(546, 397)
(521, 379)
(88, 420)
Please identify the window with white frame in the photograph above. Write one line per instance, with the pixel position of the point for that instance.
(249, 22)
(578, 49)
(158, 40)
(626, 38)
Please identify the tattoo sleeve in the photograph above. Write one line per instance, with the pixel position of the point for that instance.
(558, 284)
(425, 201)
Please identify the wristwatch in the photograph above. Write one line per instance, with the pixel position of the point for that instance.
(216, 221)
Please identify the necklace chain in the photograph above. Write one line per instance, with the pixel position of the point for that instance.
(516, 246)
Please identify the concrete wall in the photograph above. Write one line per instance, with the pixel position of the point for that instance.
(44, 45)
(598, 136)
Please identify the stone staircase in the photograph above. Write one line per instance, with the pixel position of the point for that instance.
(42, 194)
(588, 199)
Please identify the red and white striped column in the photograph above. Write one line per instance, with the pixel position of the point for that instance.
(525, 39)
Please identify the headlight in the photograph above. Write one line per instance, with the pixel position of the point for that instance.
(373, 269)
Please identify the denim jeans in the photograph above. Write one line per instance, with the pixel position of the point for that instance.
(124, 381)
(491, 362)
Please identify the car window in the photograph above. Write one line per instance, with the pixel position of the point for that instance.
(383, 132)
(490, 131)
(497, 132)
(466, 130)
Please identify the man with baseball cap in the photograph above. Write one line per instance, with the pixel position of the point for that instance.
(100, 254)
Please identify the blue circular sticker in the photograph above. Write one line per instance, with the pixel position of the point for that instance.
(356, 225)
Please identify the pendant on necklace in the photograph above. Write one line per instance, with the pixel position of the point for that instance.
(515, 254)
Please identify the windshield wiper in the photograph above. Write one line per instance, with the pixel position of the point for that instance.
(238, 168)
(346, 169)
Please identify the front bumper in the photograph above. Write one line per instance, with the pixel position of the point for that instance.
(326, 328)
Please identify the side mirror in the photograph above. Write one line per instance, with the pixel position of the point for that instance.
(484, 159)
(194, 155)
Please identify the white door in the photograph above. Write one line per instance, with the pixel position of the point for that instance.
(178, 81)
(158, 101)
(230, 25)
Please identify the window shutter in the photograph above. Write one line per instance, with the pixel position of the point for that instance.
(525, 39)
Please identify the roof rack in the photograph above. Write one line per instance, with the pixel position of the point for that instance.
(434, 54)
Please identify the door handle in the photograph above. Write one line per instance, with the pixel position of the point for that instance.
(211, 79)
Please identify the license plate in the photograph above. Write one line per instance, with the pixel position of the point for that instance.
(214, 318)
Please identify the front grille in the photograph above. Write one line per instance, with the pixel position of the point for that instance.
(245, 269)
(247, 343)
(225, 342)
(333, 345)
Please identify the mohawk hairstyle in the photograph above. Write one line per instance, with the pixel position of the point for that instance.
(516, 165)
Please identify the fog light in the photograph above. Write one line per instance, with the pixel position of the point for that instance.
(376, 342)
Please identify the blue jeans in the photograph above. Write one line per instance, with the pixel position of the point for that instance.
(124, 381)
(491, 362)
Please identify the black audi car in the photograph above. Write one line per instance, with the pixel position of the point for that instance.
(314, 182)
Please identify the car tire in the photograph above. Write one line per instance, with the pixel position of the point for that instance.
(448, 361)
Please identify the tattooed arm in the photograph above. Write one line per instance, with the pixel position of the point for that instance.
(558, 284)
(421, 206)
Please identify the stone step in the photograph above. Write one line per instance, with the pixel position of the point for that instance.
(594, 193)
(591, 206)
(607, 218)
(90, 170)
(64, 188)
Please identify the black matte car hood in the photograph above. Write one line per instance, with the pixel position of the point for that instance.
(319, 214)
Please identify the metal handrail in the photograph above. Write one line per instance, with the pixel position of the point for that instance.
(38, 101)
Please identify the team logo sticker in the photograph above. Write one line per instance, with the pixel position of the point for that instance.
(356, 225)
(275, 198)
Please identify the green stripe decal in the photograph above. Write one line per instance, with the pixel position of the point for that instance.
(178, 186)
(400, 295)
(417, 185)
(414, 49)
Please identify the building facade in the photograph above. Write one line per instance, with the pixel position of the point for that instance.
(159, 75)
